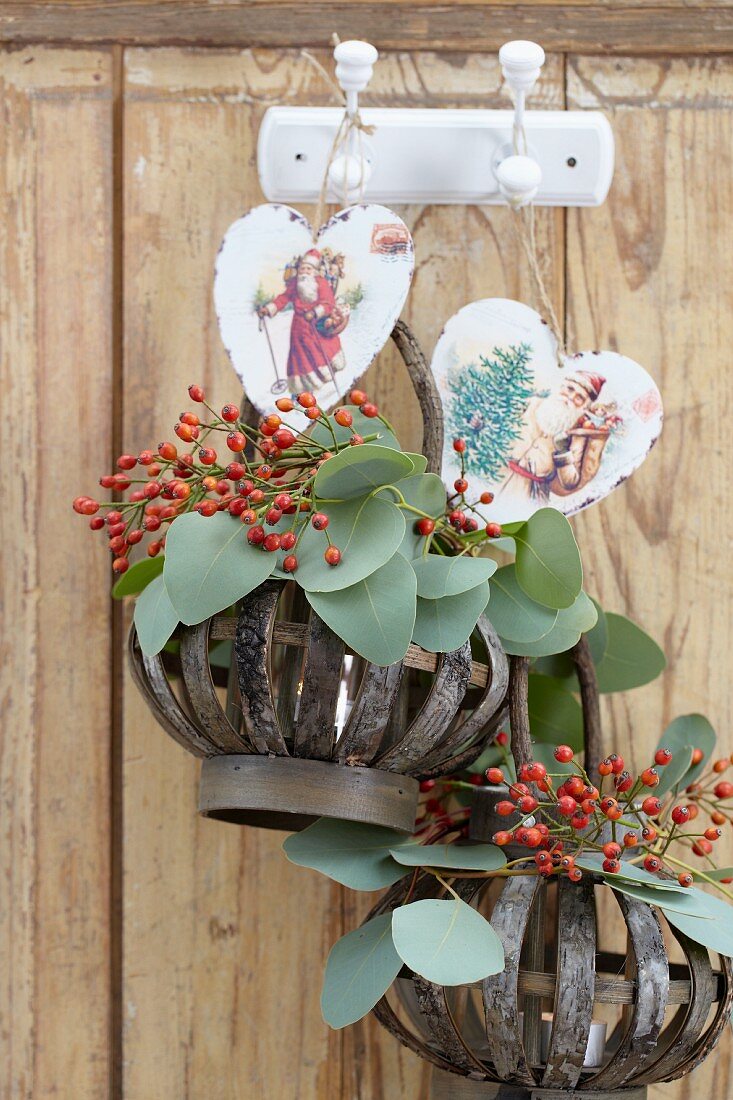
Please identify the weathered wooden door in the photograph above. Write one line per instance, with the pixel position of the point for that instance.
(146, 953)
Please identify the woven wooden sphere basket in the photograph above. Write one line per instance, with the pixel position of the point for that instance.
(565, 1017)
(307, 729)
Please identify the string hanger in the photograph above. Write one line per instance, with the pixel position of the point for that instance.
(520, 175)
(354, 65)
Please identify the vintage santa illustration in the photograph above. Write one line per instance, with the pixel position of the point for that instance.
(562, 438)
(319, 317)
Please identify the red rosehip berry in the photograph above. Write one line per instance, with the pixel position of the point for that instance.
(118, 544)
(120, 565)
(648, 834)
(579, 821)
(702, 847)
(486, 498)
(517, 790)
(567, 863)
(495, 776)
(320, 521)
(650, 777)
(283, 501)
(167, 451)
(721, 766)
(685, 878)
(272, 516)
(196, 393)
(290, 563)
(612, 850)
(248, 516)
(630, 840)
(605, 767)
(532, 837)
(575, 874)
(662, 757)
(264, 472)
(154, 549)
(426, 785)
(135, 536)
(230, 413)
(611, 808)
(502, 838)
(651, 805)
(189, 418)
(718, 818)
(652, 864)
(697, 756)
(96, 523)
(151, 523)
(186, 433)
(343, 417)
(623, 782)
(256, 535)
(536, 771)
(502, 738)
(235, 471)
(206, 508)
(256, 496)
(611, 866)
(270, 542)
(207, 455)
(470, 524)
(504, 809)
(542, 859)
(357, 397)
(459, 445)
(723, 789)
(127, 462)
(493, 530)
(527, 804)
(287, 540)
(284, 404)
(616, 762)
(145, 458)
(314, 414)
(563, 754)
(369, 409)
(425, 526)
(356, 440)
(283, 438)
(460, 485)
(236, 441)
(713, 833)
(566, 805)
(332, 555)
(306, 400)
(680, 815)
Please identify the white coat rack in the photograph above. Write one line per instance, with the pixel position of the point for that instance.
(416, 155)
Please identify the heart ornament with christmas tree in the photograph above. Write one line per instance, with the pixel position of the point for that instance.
(538, 432)
(296, 315)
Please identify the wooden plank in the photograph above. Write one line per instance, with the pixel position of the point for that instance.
(55, 332)
(648, 274)
(224, 939)
(619, 28)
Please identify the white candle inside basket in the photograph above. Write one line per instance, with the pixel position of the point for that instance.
(596, 1041)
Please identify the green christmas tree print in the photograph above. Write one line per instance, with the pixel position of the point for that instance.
(486, 406)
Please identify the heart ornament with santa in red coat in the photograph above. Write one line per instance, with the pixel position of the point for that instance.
(296, 315)
(538, 432)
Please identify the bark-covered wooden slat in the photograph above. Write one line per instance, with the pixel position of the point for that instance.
(365, 726)
(251, 645)
(574, 991)
(471, 752)
(434, 717)
(152, 680)
(521, 744)
(501, 1007)
(291, 666)
(196, 674)
(679, 1038)
(464, 732)
(314, 735)
(533, 957)
(639, 1042)
(711, 1036)
(434, 1006)
(426, 390)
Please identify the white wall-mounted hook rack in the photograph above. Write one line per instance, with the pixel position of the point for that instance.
(350, 171)
(421, 155)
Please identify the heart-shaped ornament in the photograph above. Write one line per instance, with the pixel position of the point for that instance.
(537, 433)
(296, 315)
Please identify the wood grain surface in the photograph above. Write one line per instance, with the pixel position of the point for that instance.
(147, 952)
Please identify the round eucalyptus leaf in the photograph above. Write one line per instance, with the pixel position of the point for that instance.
(444, 625)
(155, 617)
(548, 560)
(631, 659)
(354, 854)
(440, 576)
(446, 942)
(555, 715)
(689, 731)
(360, 969)
(513, 614)
(138, 576)
(367, 531)
(358, 471)
(637, 876)
(715, 933)
(425, 492)
(466, 857)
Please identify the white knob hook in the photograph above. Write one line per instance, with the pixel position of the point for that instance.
(350, 171)
(520, 176)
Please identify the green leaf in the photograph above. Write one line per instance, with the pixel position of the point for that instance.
(419, 462)
(631, 659)
(691, 730)
(362, 425)
(367, 531)
(466, 857)
(358, 471)
(438, 576)
(513, 614)
(555, 715)
(548, 560)
(598, 635)
(715, 933)
(349, 852)
(209, 565)
(138, 576)
(629, 872)
(716, 873)
(425, 492)
(155, 617)
(673, 774)
(569, 625)
(674, 901)
(361, 967)
(376, 616)
(446, 942)
(444, 625)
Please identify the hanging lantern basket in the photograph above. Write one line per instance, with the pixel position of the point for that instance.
(309, 729)
(564, 1017)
